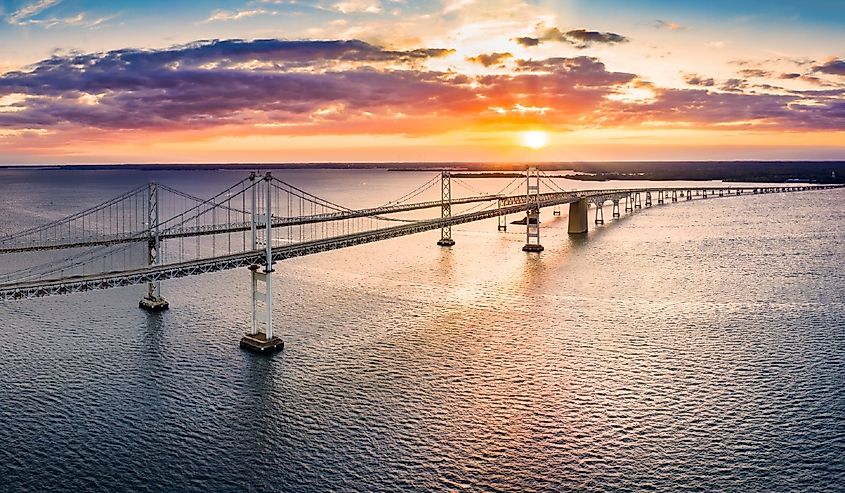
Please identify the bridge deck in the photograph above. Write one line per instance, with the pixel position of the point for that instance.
(507, 205)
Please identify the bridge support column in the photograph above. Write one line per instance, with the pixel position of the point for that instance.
(503, 219)
(556, 210)
(446, 208)
(674, 195)
(648, 199)
(638, 204)
(262, 316)
(578, 216)
(153, 301)
(615, 208)
(629, 203)
(532, 211)
(599, 213)
(659, 197)
(689, 194)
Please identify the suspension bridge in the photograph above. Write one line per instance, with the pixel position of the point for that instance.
(154, 232)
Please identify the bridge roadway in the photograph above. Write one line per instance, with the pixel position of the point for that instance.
(508, 205)
(279, 222)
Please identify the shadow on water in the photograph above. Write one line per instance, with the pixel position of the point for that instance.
(153, 335)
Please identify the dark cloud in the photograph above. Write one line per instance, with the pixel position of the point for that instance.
(351, 86)
(755, 72)
(489, 59)
(792, 75)
(698, 80)
(580, 38)
(733, 85)
(218, 82)
(706, 108)
(527, 41)
(833, 67)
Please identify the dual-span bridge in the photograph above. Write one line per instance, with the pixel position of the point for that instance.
(155, 233)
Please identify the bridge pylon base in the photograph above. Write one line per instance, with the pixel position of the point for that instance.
(153, 304)
(532, 247)
(446, 242)
(258, 343)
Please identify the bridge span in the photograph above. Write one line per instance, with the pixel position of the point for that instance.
(262, 220)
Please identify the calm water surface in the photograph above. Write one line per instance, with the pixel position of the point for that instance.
(690, 347)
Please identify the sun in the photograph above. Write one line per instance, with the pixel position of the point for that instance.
(534, 139)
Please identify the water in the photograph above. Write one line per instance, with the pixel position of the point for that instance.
(690, 347)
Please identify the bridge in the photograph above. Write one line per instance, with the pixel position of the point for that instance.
(154, 232)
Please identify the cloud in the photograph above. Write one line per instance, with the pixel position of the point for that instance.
(29, 10)
(353, 6)
(580, 38)
(224, 15)
(755, 72)
(79, 20)
(490, 59)
(734, 85)
(791, 75)
(451, 6)
(671, 26)
(311, 87)
(527, 41)
(833, 66)
(698, 80)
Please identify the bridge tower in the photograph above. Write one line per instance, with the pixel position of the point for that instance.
(256, 339)
(532, 211)
(153, 301)
(502, 219)
(446, 208)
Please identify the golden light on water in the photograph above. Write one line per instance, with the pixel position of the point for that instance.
(535, 139)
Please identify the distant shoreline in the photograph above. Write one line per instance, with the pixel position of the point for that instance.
(744, 171)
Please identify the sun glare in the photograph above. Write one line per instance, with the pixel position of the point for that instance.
(534, 139)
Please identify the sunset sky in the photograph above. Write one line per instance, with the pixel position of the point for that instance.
(401, 80)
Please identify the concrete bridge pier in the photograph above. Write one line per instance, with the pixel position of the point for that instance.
(153, 302)
(721, 193)
(578, 216)
(637, 201)
(675, 195)
(615, 208)
(629, 203)
(648, 199)
(660, 197)
(599, 213)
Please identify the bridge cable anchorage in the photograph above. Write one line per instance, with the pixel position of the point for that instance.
(532, 211)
